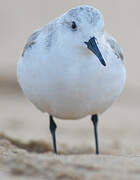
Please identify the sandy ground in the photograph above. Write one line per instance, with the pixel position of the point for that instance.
(25, 141)
(20, 164)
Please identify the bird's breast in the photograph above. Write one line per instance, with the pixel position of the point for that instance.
(71, 90)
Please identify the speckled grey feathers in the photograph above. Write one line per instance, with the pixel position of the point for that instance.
(31, 41)
(74, 14)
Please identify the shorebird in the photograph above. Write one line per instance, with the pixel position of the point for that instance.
(72, 68)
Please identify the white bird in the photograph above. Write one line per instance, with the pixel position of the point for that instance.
(71, 68)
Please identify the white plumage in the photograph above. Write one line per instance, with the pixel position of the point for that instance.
(61, 76)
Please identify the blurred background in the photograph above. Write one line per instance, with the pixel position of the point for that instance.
(119, 127)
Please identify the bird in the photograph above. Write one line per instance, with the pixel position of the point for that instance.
(72, 68)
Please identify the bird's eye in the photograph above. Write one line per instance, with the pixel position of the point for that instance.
(74, 26)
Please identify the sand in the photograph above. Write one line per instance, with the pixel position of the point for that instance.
(19, 163)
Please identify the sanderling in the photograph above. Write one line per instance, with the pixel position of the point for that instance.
(71, 68)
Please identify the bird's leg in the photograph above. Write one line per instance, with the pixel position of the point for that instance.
(94, 119)
(53, 129)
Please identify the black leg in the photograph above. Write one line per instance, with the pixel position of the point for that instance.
(53, 129)
(94, 119)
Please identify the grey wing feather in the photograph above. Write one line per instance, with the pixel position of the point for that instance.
(115, 46)
(31, 40)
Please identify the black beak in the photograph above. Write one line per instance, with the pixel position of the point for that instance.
(92, 45)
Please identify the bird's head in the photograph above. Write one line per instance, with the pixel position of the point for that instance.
(80, 29)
